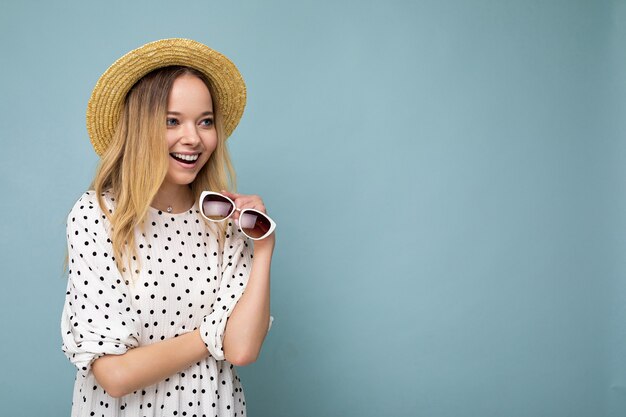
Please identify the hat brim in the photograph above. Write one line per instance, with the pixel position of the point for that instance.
(107, 99)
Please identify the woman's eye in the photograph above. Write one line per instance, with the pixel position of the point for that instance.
(207, 122)
(171, 121)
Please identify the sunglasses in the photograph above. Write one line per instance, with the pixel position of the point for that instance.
(216, 207)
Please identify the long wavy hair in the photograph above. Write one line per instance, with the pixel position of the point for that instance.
(134, 166)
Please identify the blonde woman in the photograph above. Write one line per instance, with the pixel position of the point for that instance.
(156, 315)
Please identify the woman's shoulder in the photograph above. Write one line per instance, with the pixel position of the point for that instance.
(87, 206)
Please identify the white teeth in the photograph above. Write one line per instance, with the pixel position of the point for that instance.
(186, 157)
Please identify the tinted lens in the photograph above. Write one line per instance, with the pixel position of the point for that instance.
(216, 207)
(254, 224)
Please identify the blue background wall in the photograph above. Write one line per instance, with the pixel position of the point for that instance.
(463, 163)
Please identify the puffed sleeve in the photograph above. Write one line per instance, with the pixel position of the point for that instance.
(97, 317)
(236, 266)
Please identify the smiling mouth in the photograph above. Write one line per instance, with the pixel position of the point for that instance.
(185, 159)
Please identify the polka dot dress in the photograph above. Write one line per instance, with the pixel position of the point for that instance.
(185, 281)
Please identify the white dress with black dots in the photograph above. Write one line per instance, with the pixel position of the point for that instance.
(185, 281)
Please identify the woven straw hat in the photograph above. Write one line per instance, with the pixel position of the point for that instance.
(107, 99)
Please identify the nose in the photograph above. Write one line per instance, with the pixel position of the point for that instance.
(190, 135)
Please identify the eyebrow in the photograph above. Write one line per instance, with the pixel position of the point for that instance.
(206, 113)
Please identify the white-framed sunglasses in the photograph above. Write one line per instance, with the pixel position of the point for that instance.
(216, 207)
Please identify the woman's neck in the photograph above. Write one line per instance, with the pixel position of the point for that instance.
(173, 198)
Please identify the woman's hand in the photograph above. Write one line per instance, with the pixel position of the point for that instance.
(243, 201)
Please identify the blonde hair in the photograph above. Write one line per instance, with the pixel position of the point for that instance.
(136, 162)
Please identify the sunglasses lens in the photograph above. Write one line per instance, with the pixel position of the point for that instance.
(253, 224)
(215, 207)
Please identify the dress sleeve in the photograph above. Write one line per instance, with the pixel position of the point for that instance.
(236, 266)
(98, 318)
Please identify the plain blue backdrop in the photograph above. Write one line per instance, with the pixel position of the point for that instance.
(447, 176)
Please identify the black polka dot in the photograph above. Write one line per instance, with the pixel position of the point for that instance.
(111, 312)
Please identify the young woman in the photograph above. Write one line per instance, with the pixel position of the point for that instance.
(155, 314)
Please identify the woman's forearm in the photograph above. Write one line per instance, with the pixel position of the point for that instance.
(247, 325)
(146, 365)
(245, 332)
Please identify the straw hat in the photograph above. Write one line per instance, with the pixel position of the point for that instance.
(107, 99)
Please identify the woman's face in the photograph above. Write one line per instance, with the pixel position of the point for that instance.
(191, 134)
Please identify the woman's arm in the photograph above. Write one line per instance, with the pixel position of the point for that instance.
(245, 332)
(146, 365)
(247, 326)
(248, 323)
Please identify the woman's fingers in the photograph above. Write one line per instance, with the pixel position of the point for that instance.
(230, 195)
(243, 201)
(253, 202)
